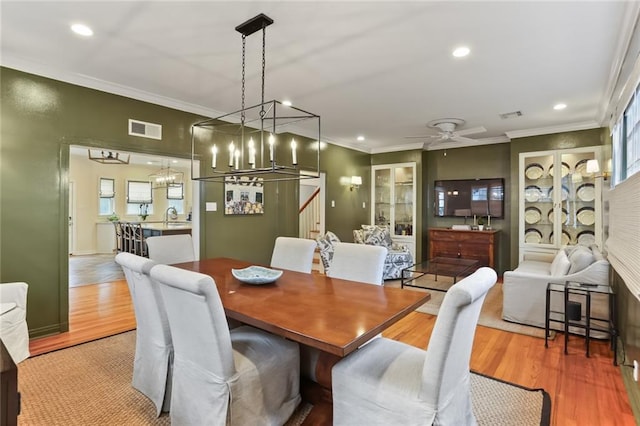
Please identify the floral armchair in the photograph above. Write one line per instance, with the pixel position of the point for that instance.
(398, 256)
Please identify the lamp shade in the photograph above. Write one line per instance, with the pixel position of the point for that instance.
(593, 166)
(356, 180)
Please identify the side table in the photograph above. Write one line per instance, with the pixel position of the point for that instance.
(589, 322)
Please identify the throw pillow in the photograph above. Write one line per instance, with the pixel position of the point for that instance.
(580, 259)
(378, 237)
(325, 244)
(358, 236)
(560, 265)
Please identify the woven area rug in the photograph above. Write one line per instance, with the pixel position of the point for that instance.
(491, 314)
(90, 384)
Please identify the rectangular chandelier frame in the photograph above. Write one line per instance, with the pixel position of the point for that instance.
(274, 142)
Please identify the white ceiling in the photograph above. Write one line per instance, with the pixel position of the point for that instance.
(380, 69)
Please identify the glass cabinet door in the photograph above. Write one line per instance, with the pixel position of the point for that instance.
(403, 195)
(537, 222)
(579, 205)
(382, 200)
(560, 202)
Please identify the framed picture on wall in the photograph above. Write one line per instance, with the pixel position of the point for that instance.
(243, 195)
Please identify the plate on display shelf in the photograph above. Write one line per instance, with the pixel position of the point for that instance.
(564, 169)
(565, 193)
(586, 238)
(532, 236)
(532, 215)
(563, 216)
(586, 192)
(565, 240)
(532, 193)
(256, 275)
(586, 216)
(534, 171)
(581, 168)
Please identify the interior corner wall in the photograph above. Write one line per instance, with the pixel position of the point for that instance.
(344, 209)
(483, 161)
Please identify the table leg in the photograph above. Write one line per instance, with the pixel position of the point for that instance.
(546, 318)
(588, 319)
(566, 320)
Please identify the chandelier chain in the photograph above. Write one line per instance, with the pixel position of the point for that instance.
(264, 63)
(244, 43)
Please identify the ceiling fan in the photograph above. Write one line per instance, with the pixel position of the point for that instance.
(447, 131)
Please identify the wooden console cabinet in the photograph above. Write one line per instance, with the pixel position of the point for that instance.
(478, 245)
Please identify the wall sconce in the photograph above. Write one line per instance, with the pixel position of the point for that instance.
(356, 181)
(594, 167)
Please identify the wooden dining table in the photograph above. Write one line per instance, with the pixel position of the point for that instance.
(332, 315)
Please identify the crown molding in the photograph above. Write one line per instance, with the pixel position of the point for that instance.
(66, 76)
(615, 88)
(571, 127)
(397, 148)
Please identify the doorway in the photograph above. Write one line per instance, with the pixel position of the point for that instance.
(92, 247)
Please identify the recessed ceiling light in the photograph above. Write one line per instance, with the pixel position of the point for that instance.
(286, 103)
(461, 51)
(149, 162)
(82, 30)
(558, 107)
(360, 138)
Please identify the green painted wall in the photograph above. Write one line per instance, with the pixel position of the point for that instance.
(485, 161)
(41, 118)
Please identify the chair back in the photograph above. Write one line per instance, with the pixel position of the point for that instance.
(198, 324)
(294, 254)
(154, 346)
(170, 249)
(13, 319)
(358, 262)
(448, 355)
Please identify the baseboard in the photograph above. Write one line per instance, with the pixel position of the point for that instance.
(632, 387)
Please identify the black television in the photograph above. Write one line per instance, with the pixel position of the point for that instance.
(469, 197)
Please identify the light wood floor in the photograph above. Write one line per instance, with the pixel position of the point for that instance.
(584, 391)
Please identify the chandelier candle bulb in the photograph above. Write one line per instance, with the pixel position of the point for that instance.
(271, 143)
(214, 151)
(252, 153)
(237, 154)
(293, 152)
(231, 152)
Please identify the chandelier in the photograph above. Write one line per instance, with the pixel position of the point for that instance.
(166, 177)
(270, 140)
(108, 158)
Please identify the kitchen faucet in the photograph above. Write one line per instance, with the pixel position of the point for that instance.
(174, 214)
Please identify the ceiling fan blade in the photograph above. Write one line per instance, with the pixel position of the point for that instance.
(470, 131)
(422, 137)
(463, 139)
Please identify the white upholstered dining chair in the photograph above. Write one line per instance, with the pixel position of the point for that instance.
(358, 262)
(389, 382)
(243, 376)
(170, 249)
(13, 320)
(153, 360)
(294, 254)
(353, 262)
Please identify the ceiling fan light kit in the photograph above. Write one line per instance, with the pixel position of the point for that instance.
(447, 131)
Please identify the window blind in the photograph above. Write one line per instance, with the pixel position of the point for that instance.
(139, 192)
(623, 244)
(107, 188)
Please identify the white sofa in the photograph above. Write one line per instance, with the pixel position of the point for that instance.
(13, 320)
(524, 289)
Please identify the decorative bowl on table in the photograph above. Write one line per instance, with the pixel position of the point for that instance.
(256, 275)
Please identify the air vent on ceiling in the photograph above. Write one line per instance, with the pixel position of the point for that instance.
(512, 114)
(144, 129)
